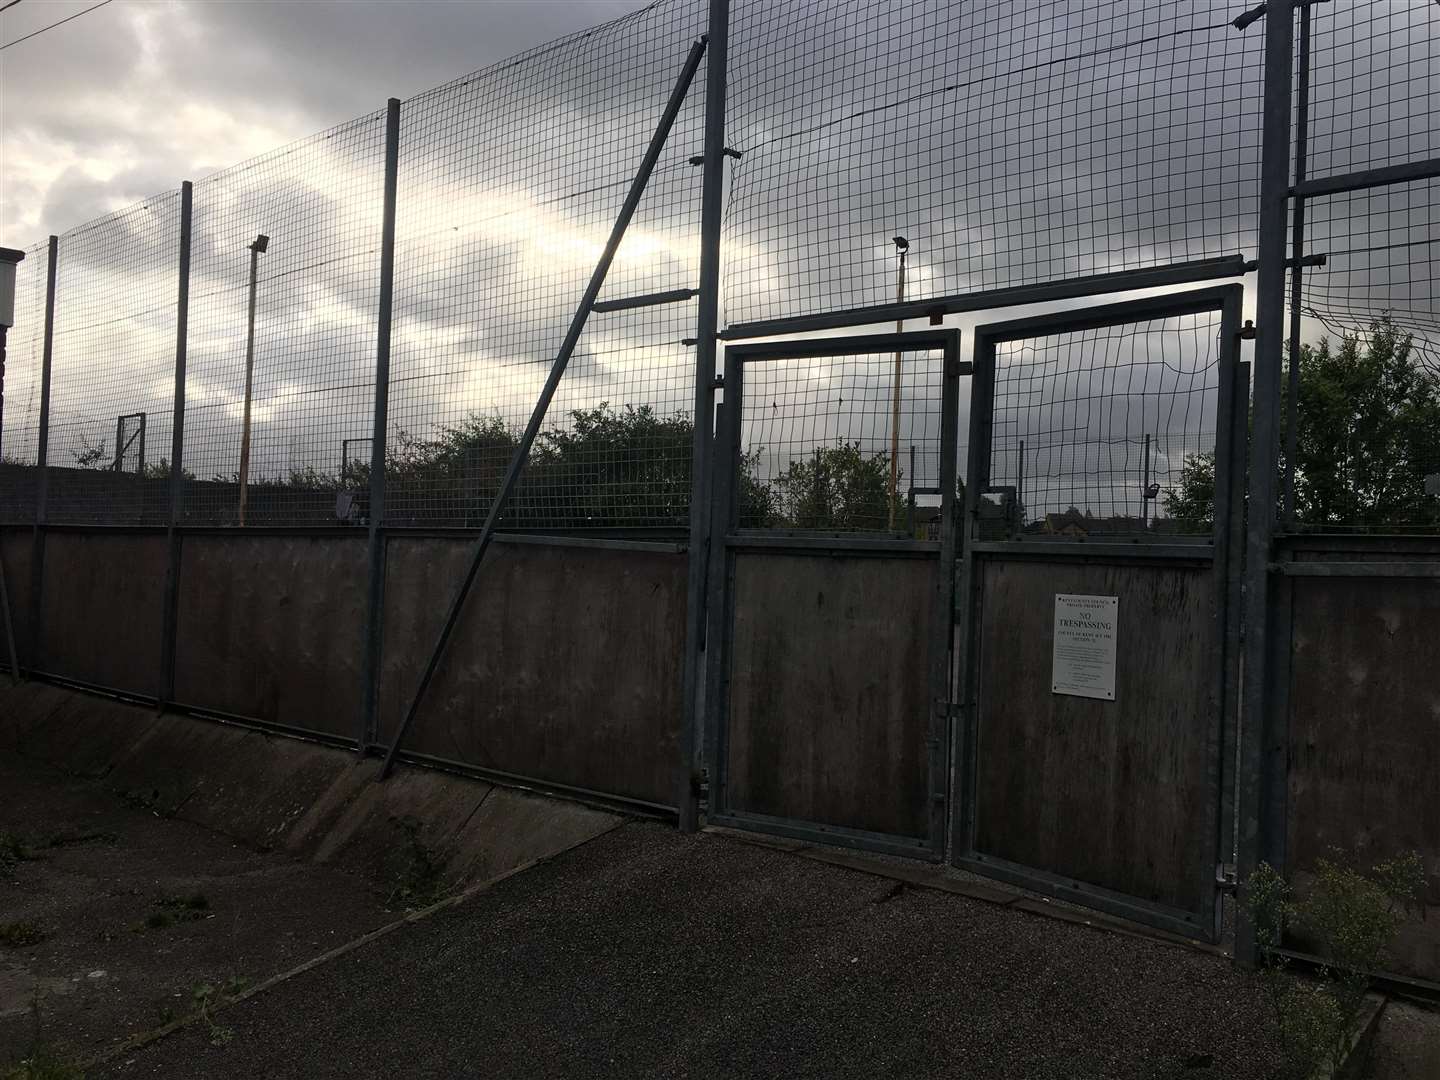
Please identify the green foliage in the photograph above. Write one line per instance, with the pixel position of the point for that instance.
(43, 1062)
(420, 880)
(1366, 421)
(1353, 918)
(836, 487)
(208, 997)
(21, 934)
(160, 470)
(1192, 502)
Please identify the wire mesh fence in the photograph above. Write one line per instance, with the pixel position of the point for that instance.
(1009, 145)
(113, 356)
(1367, 375)
(1106, 431)
(510, 181)
(842, 444)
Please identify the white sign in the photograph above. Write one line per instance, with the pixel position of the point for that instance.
(1083, 661)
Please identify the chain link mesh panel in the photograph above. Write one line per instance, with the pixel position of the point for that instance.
(113, 355)
(1106, 431)
(819, 437)
(319, 204)
(1369, 367)
(510, 181)
(1010, 144)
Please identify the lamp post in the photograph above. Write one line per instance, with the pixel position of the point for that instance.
(9, 257)
(903, 247)
(261, 243)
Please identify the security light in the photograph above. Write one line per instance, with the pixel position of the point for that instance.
(261, 243)
(901, 243)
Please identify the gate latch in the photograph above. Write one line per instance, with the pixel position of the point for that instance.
(1225, 877)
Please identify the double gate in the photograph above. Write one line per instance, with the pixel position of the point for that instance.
(907, 664)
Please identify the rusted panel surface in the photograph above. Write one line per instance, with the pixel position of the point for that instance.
(565, 666)
(103, 598)
(829, 711)
(16, 546)
(1365, 734)
(272, 627)
(1111, 793)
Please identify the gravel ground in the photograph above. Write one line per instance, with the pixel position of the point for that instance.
(648, 953)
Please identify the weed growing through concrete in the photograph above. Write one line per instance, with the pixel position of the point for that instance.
(21, 934)
(42, 1061)
(210, 996)
(420, 881)
(170, 910)
(1353, 918)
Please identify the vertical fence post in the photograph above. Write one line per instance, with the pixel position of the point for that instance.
(708, 320)
(375, 598)
(42, 469)
(1264, 737)
(171, 621)
(1297, 274)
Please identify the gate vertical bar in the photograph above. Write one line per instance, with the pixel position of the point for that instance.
(42, 458)
(708, 318)
(1264, 738)
(1297, 272)
(375, 601)
(170, 625)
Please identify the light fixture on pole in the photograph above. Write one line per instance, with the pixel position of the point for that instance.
(256, 249)
(902, 246)
(9, 257)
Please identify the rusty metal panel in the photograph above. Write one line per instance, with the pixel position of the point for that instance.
(1111, 793)
(829, 713)
(16, 547)
(565, 666)
(271, 628)
(1365, 733)
(103, 599)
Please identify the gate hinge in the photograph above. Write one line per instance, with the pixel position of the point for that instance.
(1225, 877)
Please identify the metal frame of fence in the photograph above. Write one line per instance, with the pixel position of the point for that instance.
(735, 179)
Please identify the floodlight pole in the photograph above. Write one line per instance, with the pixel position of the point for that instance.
(903, 247)
(259, 245)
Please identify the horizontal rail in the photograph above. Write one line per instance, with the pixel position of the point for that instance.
(674, 296)
(838, 545)
(1182, 273)
(1368, 178)
(1086, 549)
(1358, 569)
(838, 835)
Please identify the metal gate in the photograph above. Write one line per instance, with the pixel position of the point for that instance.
(1093, 437)
(831, 592)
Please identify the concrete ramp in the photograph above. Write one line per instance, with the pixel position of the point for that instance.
(274, 792)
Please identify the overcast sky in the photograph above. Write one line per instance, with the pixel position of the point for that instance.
(129, 99)
(1011, 144)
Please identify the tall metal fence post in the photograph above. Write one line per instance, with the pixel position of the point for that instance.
(1297, 272)
(1264, 739)
(375, 600)
(42, 469)
(171, 621)
(708, 320)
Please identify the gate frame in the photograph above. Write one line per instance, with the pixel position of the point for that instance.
(1223, 550)
(726, 538)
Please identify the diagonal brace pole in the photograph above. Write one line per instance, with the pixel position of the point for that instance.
(557, 370)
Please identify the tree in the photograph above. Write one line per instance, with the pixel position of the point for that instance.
(1366, 420)
(1367, 425)
(836, 487)
(1191, 504)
